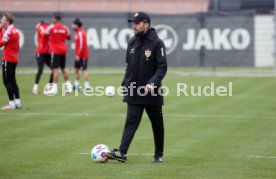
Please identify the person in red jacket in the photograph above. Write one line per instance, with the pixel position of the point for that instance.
(9, 38)
(42, 53)
(81, 55)
(58, 34)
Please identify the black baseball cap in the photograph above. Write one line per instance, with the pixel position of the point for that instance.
(140, 16)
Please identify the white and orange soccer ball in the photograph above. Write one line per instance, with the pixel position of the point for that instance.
(98, 153)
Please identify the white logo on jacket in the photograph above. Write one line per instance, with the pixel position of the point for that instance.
(132, 51)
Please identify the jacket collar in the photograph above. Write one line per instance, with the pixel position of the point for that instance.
(150, 34)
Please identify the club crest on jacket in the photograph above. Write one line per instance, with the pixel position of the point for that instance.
(147, 54)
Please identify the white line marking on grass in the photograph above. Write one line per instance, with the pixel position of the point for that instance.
(123, 115)
(129, 154)
(221, 116)
(84, 153)
(225, 74)
(244, 73)
(59, 114)
(261, 157)
(137, 154)
(95, 72)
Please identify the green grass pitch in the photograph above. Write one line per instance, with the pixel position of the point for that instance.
(206, 137)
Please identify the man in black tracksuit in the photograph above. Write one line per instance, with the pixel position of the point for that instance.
(146, 67)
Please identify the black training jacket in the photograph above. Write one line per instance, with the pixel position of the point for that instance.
(146, 64)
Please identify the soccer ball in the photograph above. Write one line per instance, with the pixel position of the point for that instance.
(49, 89)
(110, 91)
(98, 153)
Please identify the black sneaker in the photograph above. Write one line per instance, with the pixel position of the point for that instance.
(117, 155)
(157, 159)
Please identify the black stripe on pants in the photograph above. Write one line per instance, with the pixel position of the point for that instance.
(133, 119)
(8, 74)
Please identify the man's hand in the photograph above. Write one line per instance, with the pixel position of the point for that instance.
(149, 88)
(77, 58)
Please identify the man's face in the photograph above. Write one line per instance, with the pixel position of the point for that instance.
(74, 26)
(4, 22)
(55, 20)
(140, 27)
